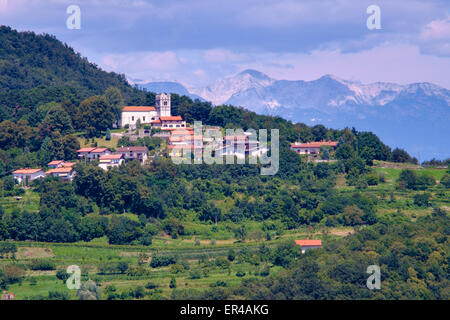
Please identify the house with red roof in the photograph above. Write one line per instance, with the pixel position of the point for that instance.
(308, 244)
(24, 176)
(59, 163)
(134, 153)
(150, 114)
(312, 147)
(8, 295)
(92, 153)
(169, 123)
(64, 173)
(240, 146)
(132, 114)
(55, 163)
(110, 160)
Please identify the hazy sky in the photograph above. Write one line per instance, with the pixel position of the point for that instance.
(197, 41)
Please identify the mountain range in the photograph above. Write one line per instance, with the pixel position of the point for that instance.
(413, 116)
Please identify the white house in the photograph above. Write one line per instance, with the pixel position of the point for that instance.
(134, 153)
(92, 153)
(131, 114)
(110, 160)
(60, 163)
(147, 114)
(65, 173)
(308, 244)
(240, 146)
(312, 147)
(24, 176)
(55, 163)
(169, 123)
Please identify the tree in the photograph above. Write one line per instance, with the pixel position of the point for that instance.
(353, 216)
(240, 233)
(344, 151)
(95, 115)
(173, 283)
(422, 199)
(115, 100)
(371, 148)
(445, 180)
(56, 119)
(70, 145)
(319, 132)
(122, 267)
(123, 230)
(400, 155)
(46, 151)
(62, 275)
(89, 291)
(211, 212)
(407, 178)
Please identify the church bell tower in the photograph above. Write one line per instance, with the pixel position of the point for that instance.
(163, 105)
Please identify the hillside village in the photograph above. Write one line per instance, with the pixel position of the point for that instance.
(180, 140)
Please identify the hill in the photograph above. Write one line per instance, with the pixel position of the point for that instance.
(37, 69)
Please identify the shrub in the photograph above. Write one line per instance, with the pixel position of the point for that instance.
(422, 199)
(445, 180)
(195, 274)
(162, 261)
(62, 275)
(173, 283)
(42, 265)
(151, 285)
(176, 268)
(372, 179)
(218, 283)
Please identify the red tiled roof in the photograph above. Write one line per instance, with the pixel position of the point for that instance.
(55, 162)
(176, 139)
(171, 118)
(111, 156)
(68, 164)
(182, 132)
(308, 242)
(183, 147)
(99, 150)
(27, 171)
(87, 149)
(60, 170)
(135, 149)
(238, 137)
(138, 108)
(315, 144)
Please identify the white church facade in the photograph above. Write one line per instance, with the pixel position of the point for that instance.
(146, 114)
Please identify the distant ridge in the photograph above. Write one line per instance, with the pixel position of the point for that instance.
(413, 116)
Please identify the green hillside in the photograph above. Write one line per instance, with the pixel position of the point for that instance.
(37, 69)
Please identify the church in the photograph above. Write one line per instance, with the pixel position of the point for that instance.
(159, 115)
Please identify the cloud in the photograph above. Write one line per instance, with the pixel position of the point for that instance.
(435, 37)
(222, 55)
(198, 41)
(141, 64)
